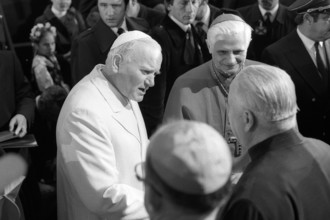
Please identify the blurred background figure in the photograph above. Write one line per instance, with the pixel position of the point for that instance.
(187, 172)
(67, 21)
(270, 21)
(305, 55)
(46, 65)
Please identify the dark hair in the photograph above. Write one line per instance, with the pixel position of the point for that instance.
(199, 204)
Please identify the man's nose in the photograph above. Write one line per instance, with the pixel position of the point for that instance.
(110, 11)
(231, 58)
(189, 6)
(151, 80)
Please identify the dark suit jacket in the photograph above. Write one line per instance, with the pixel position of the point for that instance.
(172, 39)
(313, 96)
(288, 178)
(281, 26)
(152, 16)
(64, 37)
(234, 4)
(92, 46)
(16, 96)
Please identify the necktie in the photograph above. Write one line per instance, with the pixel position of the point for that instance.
(267, 19)
(120, 31)
(189, 48)
(320, 64)
(200, 31)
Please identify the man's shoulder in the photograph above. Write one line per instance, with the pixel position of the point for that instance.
(85, 35)
(282, 45)
(196, 77)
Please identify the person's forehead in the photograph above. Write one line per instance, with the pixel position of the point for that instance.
(229, 41)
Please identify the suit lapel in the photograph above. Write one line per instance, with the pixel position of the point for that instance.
(303, 63)
(104, 36)
(119, 112)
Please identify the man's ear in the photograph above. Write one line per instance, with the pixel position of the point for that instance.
(116, 60)
(308, 18)
(249, 120)
(208, 45)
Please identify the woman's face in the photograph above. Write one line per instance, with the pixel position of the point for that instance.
(46, 46)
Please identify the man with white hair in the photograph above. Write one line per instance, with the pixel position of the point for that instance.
(289, 175)
(188, 169)
(201, 94)
(101, 134)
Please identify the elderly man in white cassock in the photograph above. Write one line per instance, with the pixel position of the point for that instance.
(101, 134)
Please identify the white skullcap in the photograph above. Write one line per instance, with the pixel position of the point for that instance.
(129, 36)
(191, 157)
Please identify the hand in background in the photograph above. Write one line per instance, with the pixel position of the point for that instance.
(18, 125)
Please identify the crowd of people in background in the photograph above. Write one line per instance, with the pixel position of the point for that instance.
(233, 95)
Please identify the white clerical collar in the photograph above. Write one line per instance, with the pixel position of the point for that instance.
(206, 18)
(184, 27)
(58, 13)
(272, 12)
(123, 26)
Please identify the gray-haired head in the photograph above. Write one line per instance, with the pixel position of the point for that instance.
(226, 26)
(267, 91)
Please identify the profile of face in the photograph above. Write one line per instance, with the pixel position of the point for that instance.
(46, 45)
(184, 10)
(112, 12)
(268, 4)
(61, 5)
(229, 54)
(320, 28)
(202, 9)
(137, 73)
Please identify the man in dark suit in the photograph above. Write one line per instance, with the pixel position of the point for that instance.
(267, 30)
(182, 51)
(289, 174)
(92, 46)
(297, 55)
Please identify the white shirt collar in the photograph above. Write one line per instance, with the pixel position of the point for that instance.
(184, 27)
(123, 26)
(272, 12)
(58, 13)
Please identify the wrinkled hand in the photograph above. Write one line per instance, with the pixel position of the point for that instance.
(18, 125)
